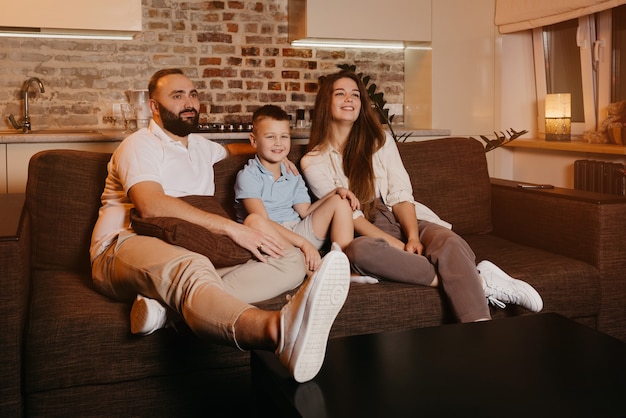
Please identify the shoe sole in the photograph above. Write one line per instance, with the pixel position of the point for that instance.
(324, 302)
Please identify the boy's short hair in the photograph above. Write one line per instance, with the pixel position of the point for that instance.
(269, 111)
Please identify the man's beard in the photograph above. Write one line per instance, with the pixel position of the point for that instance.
(176, 124)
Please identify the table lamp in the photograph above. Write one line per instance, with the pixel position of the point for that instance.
(558, 117)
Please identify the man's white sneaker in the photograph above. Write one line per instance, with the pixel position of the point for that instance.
(500, 288)
(147, 315)
(305, 321)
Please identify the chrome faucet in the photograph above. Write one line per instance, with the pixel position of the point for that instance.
(24, 123)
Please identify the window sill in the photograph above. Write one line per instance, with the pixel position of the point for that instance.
(575, 145)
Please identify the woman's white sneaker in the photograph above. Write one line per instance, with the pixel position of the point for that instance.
(500, 288)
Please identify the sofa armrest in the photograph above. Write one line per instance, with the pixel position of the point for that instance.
(14, 295)
(582, 225)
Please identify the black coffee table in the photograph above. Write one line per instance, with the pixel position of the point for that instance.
(528, 366)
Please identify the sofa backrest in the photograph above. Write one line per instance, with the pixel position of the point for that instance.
(451, 177)
(64, 189)
(62, 198)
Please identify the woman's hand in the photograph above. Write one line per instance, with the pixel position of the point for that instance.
(290, 166)
(414, 246)
(405, 214)
(350, 197)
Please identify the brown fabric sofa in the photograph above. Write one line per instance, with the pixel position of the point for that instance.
(68, 350)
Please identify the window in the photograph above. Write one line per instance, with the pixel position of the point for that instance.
(560, 51)
(587, 58)
(618, 54)
(611, 58)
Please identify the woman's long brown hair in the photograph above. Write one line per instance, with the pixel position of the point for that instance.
(366, 137)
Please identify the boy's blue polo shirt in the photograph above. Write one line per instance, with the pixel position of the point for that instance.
(279, 197)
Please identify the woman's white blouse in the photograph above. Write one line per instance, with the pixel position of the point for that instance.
(324, 172)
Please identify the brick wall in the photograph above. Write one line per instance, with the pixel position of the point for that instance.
(236, 52)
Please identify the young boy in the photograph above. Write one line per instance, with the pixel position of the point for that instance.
(264, 189)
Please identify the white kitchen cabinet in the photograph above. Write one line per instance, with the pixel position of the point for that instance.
(92, 15)
(18, 157)
(454, 85)
(463, 66)
(392, 20)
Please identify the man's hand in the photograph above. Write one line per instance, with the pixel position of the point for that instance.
(257, 242)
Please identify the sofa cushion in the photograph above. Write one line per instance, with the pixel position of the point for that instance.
(75, 336)
(63, 198)
(78, 337)
(219, 248)
(450, 176)
(568, 286)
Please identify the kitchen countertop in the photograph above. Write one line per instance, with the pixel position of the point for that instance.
(115, 135)
(62, 135)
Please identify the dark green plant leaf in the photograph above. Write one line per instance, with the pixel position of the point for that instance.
(501, 138)
(347, 67)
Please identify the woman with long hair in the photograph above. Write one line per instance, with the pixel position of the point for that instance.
(398, 239)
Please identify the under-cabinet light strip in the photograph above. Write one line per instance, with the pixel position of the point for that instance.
(338, 43)
(64, 34)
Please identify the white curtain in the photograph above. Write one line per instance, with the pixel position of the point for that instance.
(518, 15)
